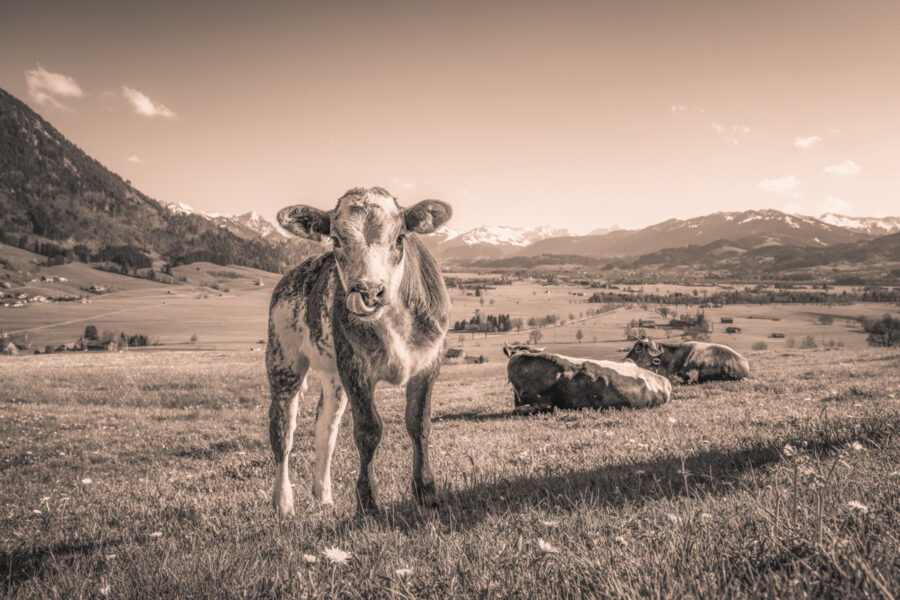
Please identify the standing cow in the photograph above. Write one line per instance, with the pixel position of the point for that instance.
(544, 381)
(689, 361)
(374, 309)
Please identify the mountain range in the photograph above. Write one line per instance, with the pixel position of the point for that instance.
(51, 192)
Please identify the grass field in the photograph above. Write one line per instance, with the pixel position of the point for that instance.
(148, 475)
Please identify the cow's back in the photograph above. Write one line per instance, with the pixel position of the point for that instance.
(714, 361)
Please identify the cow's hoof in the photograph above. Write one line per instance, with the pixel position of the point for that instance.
(322, 495)
(284, 506)
(425, 494)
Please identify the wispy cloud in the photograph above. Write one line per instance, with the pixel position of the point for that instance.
(135, 158)
(685, 108)
(833, 204)
(403, 182)
(788, 186)
(848, 167)
(467, 194)
(730, 133)
(144, 105)
(807, 142)
(46, 88)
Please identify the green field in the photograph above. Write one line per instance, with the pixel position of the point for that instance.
(148, 475)
(226, 309)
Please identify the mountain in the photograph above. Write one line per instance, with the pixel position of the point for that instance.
(870, 225)
(492, 241)
(604, 230)
(58, 200)
(743, 257)
(762, 227)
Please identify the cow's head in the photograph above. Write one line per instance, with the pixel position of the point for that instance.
(646, 354)
(368, 232)
(510, 349)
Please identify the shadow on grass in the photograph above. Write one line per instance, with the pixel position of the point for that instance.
(710, 472)
(20, 565)
(475, 416)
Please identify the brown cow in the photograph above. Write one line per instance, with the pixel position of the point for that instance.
(374, 309)
(543, 381)
(690, 361)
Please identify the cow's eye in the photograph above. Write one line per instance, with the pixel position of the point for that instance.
(336, 243)
(400, 239)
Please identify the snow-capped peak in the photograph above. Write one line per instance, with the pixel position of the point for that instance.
(871, 225)
(504, 235)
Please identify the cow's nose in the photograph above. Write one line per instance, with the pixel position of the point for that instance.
(372, 293)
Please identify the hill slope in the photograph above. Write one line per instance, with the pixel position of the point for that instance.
(51, 190)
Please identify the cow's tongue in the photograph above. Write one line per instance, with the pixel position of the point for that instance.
(355, 304)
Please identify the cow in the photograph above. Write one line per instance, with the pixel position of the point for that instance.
(690, 361)
(373, 309)
(543, 381)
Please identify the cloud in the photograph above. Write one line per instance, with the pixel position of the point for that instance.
(135, 158)
(144, 105)
(46, 88)
(788, 186)
(833, 204)
(403, 182)
(685, 108)
(848, 167)
(467, 194)
(730, 133)
(807, 142)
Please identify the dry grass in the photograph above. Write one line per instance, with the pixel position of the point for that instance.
(697, 498)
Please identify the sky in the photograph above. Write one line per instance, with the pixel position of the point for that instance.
(568, 114)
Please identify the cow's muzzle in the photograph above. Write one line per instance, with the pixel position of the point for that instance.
(365, 299)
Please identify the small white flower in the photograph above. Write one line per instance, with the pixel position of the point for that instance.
(546, 546)
(37, 512)
(609, 433)
(86, 481)
(858, 506)
(705, 516)
(336, 555)
(856, 446)
(673, 420)
(621, 540)
(673, 517)
(405, 572)
(789, 450)
(112, 556)
(45, 499)
(104, 591)
(549, 523)
(309, 558)
(156, 534)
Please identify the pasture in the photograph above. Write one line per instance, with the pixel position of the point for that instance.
(148, 474)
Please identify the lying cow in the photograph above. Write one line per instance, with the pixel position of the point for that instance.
(374, 309)
(690, 361)
(543, 381)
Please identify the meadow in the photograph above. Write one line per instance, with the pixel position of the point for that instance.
(148, 474)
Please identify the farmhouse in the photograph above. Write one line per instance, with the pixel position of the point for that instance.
(776, 335)
(9, 349)
(732, 330)
(727, 320)
(647, 323)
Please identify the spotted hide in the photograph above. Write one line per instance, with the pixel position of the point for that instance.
(373, 309)
(690, 361)
(542, 381)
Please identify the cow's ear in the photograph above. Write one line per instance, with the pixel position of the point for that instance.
(426, 216)
(508, 350)
(305, 221)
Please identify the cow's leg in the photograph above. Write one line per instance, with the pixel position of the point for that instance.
(287, 383)
(418, 425)
(332, 403)
(367, 428)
